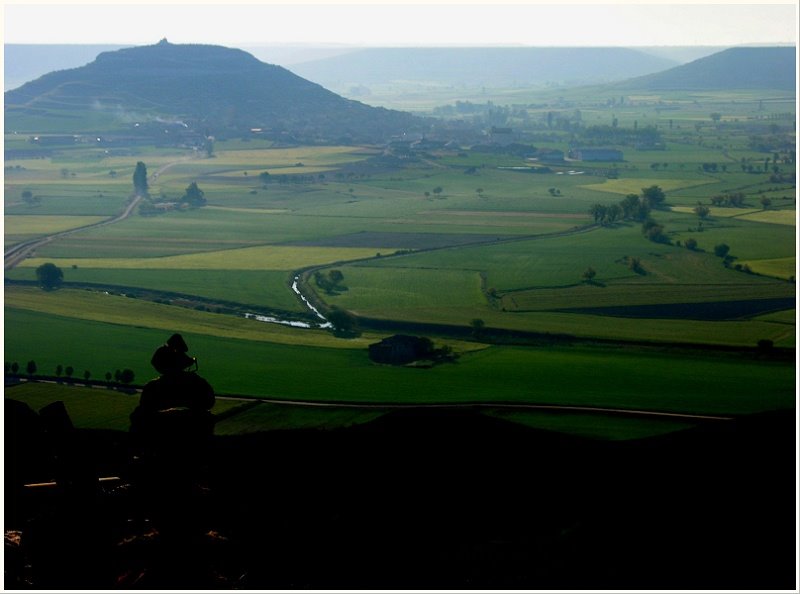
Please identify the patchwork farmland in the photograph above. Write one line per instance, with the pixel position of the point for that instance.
(429, 243)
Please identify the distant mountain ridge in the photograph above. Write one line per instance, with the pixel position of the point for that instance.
(208, 86)
(730, 69)
(483, 66)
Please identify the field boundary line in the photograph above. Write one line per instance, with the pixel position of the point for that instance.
(481, 405)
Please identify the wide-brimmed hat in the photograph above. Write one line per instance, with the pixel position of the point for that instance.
(172, 356)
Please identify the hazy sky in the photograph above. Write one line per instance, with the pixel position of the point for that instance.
(584, 23)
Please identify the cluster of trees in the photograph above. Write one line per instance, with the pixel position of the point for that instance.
(30, 199)
(265, 178)
(635, 207)
(654, 231)
(714, 167)
(647, 136)
(120, 376)
(468, 108)
(635, 264)
(344, 323)
(193, 197)
(331, 283)
(437, 191)
(701, 211)
(49, 276)
(737, 199)
(728, 199)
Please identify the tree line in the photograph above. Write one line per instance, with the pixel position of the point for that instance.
(120, 376)
(635, 207)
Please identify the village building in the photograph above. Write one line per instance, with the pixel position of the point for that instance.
(595, 154)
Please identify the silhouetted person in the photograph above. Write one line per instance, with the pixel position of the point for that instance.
(172, 429)
(174, 408)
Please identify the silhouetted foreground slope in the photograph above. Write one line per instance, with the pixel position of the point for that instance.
(441, 499)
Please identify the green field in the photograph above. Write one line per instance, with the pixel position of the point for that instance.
(574, 376)
(443, 236)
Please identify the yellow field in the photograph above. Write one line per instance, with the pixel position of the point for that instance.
(262, 257)
(240, 174)
(634, 186)
(45, 224)
(717, 212)
(250, 210)
(285, 157)
(776, 267)
(777, 217)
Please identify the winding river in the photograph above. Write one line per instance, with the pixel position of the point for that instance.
(293, 323)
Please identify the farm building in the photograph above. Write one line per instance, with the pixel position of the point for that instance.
(595, 154)
(545, 154)
(501, 136)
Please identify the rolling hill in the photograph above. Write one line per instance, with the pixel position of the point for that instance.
(735, 68)
(482, 66)
(209, 88)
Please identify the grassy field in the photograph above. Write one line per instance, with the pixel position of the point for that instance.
(253, 258)
(441, 237)
(264, 288)
(91, 306)
(575, 376)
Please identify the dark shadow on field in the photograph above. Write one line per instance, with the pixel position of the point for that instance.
(424, 499)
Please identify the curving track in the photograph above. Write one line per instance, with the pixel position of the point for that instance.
(17, 253)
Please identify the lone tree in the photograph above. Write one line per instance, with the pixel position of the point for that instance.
(126, 376)
(194, 196)
(140, 179)
(478, 327)
(30, 199)
(654, 195)
(721, 250)
(702, 211)
(589, 274)
(49, 276)
(31, 367)
(654, 232)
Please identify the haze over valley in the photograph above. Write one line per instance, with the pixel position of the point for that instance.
(494, 316)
